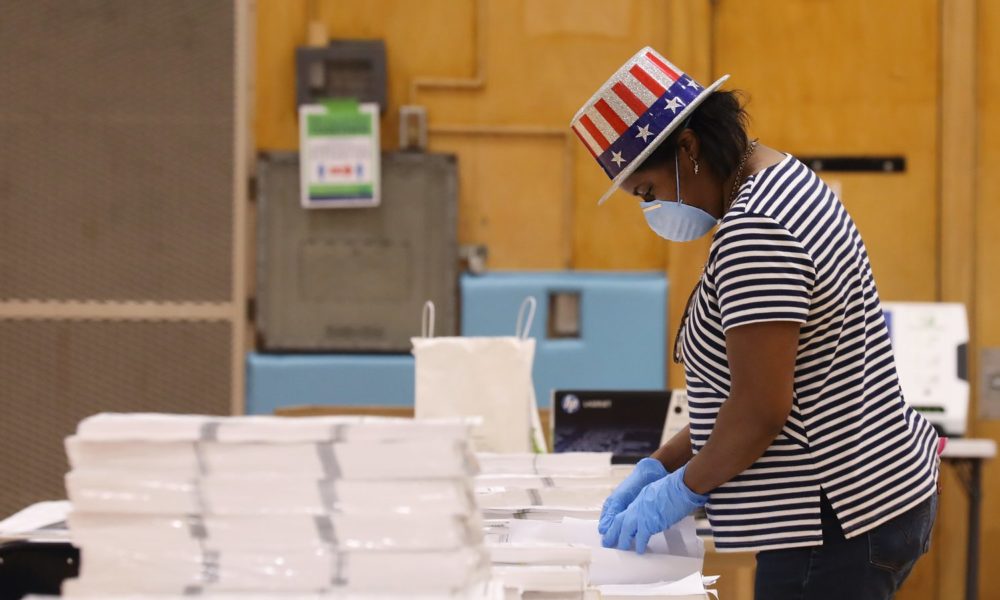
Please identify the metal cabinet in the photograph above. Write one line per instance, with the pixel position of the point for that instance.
(354, 279)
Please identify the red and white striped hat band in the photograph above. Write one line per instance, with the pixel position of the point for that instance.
(634, 111)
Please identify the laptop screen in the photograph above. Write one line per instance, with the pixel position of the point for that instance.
(629, 424)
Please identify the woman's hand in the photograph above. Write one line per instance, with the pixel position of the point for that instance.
(645, 472)
(659, 505)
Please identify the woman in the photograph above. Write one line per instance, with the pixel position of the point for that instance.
(800, 447)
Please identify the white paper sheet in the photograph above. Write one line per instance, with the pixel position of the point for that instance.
(670, 557)
(590, 464)
(554, 514)
(150, 427)
(410, 459)
(513, 498)
(691, 586)
(538, 554)
(491, 590)
(136, 492)
(116, 570)
(680, 540)
(37, 516)
(542, 578)
(226, 533)
(546, 482)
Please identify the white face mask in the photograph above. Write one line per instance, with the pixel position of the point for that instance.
(677, 221)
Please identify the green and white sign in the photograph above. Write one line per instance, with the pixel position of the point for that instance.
(339, 154)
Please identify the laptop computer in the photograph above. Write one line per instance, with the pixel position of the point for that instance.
(629, 424)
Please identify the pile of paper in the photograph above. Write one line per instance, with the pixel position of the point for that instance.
(490, 590)
(580, 464)
(541, 529)
(538, 569)
(166, 504)
(501, 497)
(692, 587)
(566, 558)
(544, 487)
(39, 522)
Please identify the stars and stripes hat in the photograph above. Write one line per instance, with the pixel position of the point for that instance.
(634, 111)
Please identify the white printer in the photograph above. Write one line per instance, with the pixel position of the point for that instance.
(930, 341)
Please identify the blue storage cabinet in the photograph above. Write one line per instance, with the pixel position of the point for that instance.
(623, 326)
(622, 344)
(283, 380)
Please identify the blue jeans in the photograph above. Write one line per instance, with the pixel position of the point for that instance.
(870, 566)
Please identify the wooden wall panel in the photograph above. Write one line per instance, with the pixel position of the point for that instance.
(523, 219)
(837, 77)
(406, 28)
(842, 77)
(281, 26)
(987, 273)
(614, 236)
(945, 566)
(500, 81)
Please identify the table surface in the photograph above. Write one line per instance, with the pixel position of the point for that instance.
(970, 448)
(956, 448)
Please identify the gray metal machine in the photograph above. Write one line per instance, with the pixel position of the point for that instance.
(354, 280)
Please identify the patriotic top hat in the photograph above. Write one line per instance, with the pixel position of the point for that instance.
(634, 111)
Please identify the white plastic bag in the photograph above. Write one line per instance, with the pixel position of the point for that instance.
(488, 377)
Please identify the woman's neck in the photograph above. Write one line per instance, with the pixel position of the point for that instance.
(759, 159)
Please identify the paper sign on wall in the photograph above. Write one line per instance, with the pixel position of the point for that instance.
(339, 147)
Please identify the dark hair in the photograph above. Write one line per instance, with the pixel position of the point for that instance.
(720, 122)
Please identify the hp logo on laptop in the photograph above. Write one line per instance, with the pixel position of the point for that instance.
(570, 404)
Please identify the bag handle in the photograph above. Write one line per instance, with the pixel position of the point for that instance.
(427, 320)
(526, 316)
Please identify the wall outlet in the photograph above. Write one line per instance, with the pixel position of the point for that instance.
(989, 390)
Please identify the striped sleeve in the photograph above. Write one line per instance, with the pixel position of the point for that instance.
(761, 272)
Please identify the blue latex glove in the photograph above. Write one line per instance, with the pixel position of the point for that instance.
(645, 472)
(658, 506)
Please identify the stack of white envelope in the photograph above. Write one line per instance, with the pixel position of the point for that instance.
(544, 487)
(166, 504)
(565, 464)
(542, 570)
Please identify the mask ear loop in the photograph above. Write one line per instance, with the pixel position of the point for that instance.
(677, 175)
(677, 161)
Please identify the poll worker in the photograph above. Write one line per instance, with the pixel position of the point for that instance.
(800, 446)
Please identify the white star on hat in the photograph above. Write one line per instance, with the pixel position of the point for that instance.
(644, 133)
(691, 84)
(616, 157)
(673, 104)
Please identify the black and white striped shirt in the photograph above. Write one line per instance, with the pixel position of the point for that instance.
(788, 251)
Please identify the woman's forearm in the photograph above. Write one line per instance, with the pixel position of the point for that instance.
(743, 431)
(762, 364)
(677, 451)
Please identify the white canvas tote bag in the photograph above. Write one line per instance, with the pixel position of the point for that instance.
(487, 377)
